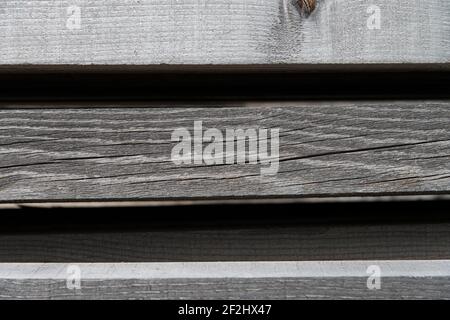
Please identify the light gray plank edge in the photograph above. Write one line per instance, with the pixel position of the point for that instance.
(293, 242)
(224, 270)
(205, 32)
(256, 280)
(326, 148)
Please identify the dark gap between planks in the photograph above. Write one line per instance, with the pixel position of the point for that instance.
(211, 216)
(333, 231)
(220, 86)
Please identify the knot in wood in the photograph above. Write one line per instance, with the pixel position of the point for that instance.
(307, 6)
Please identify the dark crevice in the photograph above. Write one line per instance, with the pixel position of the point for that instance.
(209, 87)
(399, 145)
(193, 217)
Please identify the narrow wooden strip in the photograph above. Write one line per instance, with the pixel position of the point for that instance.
(250, 241)
(247, 289)
(224, 270)
(129, 204)
(325, 149)
(256, 280)
(205, 32)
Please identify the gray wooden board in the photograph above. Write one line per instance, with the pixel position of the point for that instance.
(217, 32)
(256, 280)
(326, 148)
(326, 241)
(265, 289)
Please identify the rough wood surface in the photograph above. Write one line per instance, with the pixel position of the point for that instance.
(335, 148)
(239, 32)
(256, 280)
(223, 289)
(267, 242)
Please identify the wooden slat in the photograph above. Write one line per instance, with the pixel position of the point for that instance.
(216, 32)
(191, 240)
(326, 148)
(255, 280)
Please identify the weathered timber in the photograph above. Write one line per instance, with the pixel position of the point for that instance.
(326, 148)
(104, 238)
(233, 280)
(254, 33)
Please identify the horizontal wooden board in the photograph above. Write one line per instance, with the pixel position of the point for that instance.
(325, 148)
(100, 237)
(216, 32)
(220, 289)
(238, 280)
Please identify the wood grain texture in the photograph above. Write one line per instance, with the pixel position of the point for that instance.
(256, 280)
(247, 289)
(269, 242)
(335, 148)
(216, 32)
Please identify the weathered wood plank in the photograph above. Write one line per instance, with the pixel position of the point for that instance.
(232, 280)
(223, 289)
(216, 32)
(138, 241)
(326, 148)
(125, 153)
